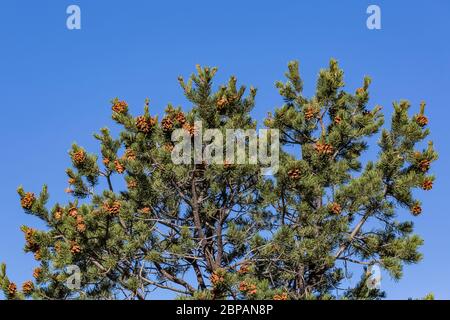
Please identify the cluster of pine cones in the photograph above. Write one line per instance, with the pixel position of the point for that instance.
(145, 124)
(28, 200)
(79, 157)
(335, 208)
(310, 113)
(324, 148)
(112, 208)
(294, 174)
(120, 107)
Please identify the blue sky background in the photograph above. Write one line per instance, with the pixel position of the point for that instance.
(56, 84)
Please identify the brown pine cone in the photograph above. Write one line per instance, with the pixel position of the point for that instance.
(58, 214)
(168, 147)
(335, 208)
(131, 184)
(216, 279)
(310, 113)
(282, 296)
(75, 248)
(120, 107)
(145, 210)
(167, 124)
(79, 157)
(324, 148)
(416, 210)
(27, 287)
(427, 185)
(73, 212)
(28, 200)
(294, 174)
(37, 272)
(222, 102)
(424, 165)
(142, 124)
(37, 255)
(421, 120)
(12, 289)
(81, 227)
(119, 167)
(130, 155)
(190, 129)
(337, 120)
(244, 268)
(243, 286)
(360, 91)
(180, 118)
(112, 209)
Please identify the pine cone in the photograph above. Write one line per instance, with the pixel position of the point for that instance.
(424, 165)
(31, 244)
(416, 210)
(282, 296)
(145, 210)
(37, 273)
(132, 184)
(335, 208)
(28, 200)
(190, 129)
(180, 118)
(143, 124)
(81, 227)
(427, 185)
(12, 289)
(79, 157)
(337, 120)
(360, 91)
(119, 167)
(120, 107)
(71, 181)
(324, 148)
(29, 235)
(37, 255)
(294, 174)
(112, 209)
(73, 212)
(27, 287)
(167, 124)
(222, 102)
(243, 286)
(58, 214)
(168, 147)
(130, 155)
(247, 288)
(75, 248)
(309, 113)
(106, 161)
(244, 268)
(421, 120)
(216, 279)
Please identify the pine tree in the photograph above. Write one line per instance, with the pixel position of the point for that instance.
(210, 231)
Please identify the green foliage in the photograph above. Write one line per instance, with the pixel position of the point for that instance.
(208, 231)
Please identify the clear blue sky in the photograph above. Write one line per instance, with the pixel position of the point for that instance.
(55, 85)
